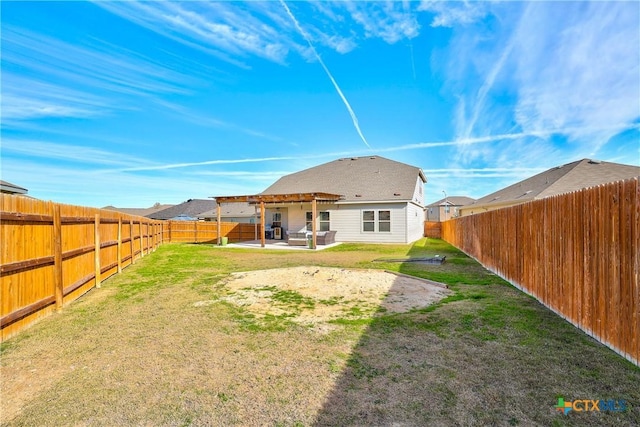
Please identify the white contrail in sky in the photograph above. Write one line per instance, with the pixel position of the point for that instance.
(313, 49)
(406, 147)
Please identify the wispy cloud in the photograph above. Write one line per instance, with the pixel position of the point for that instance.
(579, 77)
(76, 81)
(206, 163)
(391, 21)
(449, 14)
(333, 81)
(218, 28)
(82, 155)
(506, 138)
(211, 121)
(583, 73)
(481, 173)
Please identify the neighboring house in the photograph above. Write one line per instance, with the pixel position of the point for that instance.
(446, 208)
(362, 199)
(233, 212)
(139, 211)
(9, 188)
(559, 180)
(191, 209)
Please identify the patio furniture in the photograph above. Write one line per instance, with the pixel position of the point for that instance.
(325, 237)
(322, 238)
(297, 239)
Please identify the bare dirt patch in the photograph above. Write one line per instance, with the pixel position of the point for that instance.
(309, 295)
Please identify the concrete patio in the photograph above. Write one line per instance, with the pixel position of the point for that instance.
(275, 244)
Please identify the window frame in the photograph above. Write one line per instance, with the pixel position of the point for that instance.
(370, 220)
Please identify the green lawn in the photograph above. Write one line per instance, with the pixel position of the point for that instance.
(158, 345)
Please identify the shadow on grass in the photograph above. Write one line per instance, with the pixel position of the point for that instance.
(488, 355)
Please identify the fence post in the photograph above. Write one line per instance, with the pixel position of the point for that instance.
(195, 231)
(133, 253)
(97, 248)
(119, 244)
(140, 230)
(57, 256)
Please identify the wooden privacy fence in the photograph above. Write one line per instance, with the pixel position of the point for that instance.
(433, 229)
(576, 253)
(52, 253)
(207, 232)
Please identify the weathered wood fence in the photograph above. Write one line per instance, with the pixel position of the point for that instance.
(576, 253)
(433, 229)
(207, 232)
(52, 253)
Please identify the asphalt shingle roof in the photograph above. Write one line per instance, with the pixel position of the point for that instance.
(561, 179)
(12, 188)
(235, 210)
(191, 208)
(453, 201)
(370, 178)
(138, 211)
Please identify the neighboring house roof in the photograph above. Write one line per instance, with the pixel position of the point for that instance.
(370, 178)
(7, 187)
(191, 208)
(139, 211)
(231, 210)
(561, 179)
(183, 217)
(452, 201)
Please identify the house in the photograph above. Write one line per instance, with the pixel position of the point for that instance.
(233, 212)
(9, 188)
(558, 180)
(139, 211)
(361, 199)
(446, 208)
(190, 209)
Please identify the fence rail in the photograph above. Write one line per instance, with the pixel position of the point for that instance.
(576, 253)
(52, 253)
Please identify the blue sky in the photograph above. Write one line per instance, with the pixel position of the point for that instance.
(132, 103)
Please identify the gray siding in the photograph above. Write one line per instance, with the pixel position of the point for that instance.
(415, 222)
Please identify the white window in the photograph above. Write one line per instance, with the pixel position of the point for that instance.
(309, 221)
(368, 221)
(384, 221)
(379, 221)
(324, 223)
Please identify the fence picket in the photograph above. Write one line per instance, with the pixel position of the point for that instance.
(577, 253)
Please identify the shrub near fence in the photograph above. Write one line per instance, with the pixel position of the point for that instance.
(51, 254)
(576, 253)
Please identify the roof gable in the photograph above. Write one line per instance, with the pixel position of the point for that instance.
(452, 201)
(370, 178)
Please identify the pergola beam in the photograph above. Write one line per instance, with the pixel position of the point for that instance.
(279, 198)
(263, 199)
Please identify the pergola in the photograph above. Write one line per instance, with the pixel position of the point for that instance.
(263, 199)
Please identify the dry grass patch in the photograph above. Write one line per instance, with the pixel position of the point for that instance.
(165, 343)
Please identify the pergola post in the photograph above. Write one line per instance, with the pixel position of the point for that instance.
(314, 213)
(262, 219)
